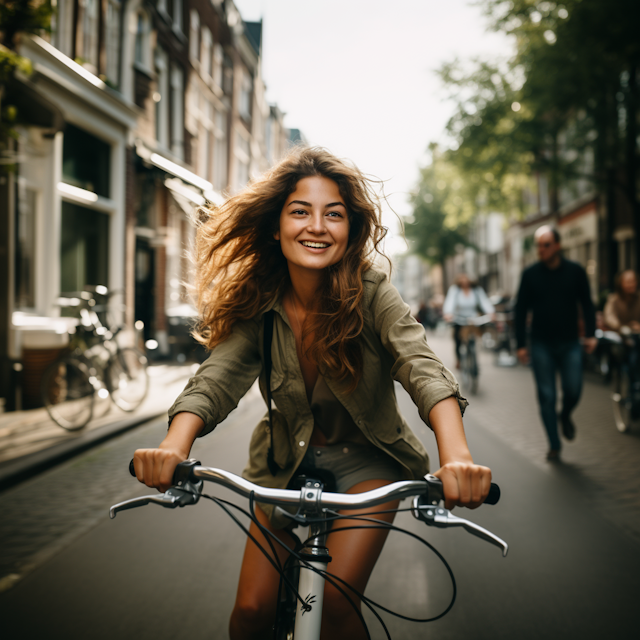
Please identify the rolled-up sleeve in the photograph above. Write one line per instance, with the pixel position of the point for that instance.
(223, 379)
(416, 367)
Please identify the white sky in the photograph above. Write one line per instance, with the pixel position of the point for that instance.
(357, 77)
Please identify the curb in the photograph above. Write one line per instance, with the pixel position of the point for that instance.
(16, 471)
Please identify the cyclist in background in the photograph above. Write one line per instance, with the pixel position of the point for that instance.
(623, 306)
(299, 242)
(464, 301)
(622, 314)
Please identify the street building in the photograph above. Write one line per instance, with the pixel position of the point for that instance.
(137, 113)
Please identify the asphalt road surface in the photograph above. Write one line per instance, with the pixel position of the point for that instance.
(171, 574)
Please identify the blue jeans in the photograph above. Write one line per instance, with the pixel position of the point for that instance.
(546, 360)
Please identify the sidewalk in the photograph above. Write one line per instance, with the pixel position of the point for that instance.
(30, 441)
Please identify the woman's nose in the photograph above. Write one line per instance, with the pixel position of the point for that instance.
(316, 223)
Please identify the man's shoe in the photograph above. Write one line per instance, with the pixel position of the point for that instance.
(568, 428)
(553, 455)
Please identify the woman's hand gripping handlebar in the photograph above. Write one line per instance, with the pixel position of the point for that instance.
(427, 493)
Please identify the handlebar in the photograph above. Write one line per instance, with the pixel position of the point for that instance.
(427, 493)
(430, 487)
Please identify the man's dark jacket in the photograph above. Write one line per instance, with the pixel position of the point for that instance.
(553, 296)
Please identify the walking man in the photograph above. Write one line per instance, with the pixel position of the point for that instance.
(552, 289)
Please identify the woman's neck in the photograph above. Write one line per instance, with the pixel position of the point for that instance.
(305, 287)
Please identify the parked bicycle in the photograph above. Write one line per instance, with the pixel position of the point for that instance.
(470, 331)
(301, 598)
(98, 367)
(625, 351)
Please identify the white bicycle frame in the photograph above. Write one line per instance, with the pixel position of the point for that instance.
(311, 501)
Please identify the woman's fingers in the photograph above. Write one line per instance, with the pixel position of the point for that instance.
(464, 484)
(155, 467)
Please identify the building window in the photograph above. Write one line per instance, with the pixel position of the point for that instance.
(177, 15)
(244, 106)
(268, 138)
(205, 54)
(243, 158)
(142, 45)
(89, 21)
(220, 177)
(194, 36)
(161, 98)
(86, 161)
(218, 61)
(227, 79)
(177, 111)
(84, 257)
(113, 42)
(25, 247)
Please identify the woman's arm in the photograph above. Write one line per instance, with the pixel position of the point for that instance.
(207, 399)
(435, 392)
(155, 467)
(465, 483)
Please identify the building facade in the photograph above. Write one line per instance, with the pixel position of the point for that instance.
(140, 111)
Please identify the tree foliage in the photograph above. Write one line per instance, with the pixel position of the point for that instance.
(566, 105)
(441, 211)
(17, 17)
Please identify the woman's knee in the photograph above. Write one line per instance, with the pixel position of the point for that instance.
(336, 609)
(250, 617)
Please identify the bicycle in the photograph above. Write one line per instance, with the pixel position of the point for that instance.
(300, 602)
(97, 367)
(470, 330)
(626, 377)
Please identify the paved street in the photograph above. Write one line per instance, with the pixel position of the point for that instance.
(573, 570)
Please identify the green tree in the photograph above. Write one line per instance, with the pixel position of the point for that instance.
(17, 17)
(580, 59)
(441, 212)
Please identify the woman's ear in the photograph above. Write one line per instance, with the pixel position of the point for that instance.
(276, 235)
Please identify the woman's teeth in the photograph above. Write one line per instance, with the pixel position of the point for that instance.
(315, 245)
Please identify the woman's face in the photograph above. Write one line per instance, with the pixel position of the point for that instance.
(464, 282)
(314, 225)
(628, 282)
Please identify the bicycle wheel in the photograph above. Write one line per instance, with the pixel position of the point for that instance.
(473, 368)
(67, 393)
(128, 379)
(622, 400)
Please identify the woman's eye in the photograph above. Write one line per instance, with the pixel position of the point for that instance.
(334, 214)
(299, 212)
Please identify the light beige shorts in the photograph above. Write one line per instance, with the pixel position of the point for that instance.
(345, 465)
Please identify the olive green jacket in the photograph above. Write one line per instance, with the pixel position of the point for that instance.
(394, 346)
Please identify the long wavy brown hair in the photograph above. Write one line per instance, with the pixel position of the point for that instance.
(240, 267)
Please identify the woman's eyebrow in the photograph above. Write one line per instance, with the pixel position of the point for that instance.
(308, 204)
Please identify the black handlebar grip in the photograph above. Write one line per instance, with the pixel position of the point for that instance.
(494, 494)
(181, 474)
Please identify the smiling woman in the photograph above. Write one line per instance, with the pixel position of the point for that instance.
(288, 293)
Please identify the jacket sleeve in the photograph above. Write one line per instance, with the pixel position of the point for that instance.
(449, 306)
(415, 365)
(224, 378)
(523, 304)
(588, 308)
(610, 318)
(485, 303)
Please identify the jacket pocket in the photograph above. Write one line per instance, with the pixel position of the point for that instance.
(261, 441)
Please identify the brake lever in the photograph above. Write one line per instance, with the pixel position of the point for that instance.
(442, 518)
(187, 493)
